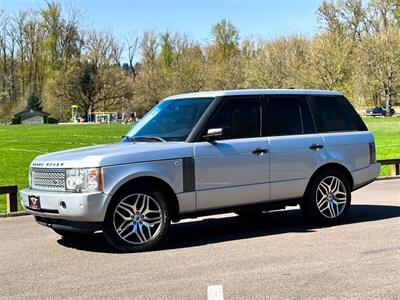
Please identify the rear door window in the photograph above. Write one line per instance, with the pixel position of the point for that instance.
(288, 115)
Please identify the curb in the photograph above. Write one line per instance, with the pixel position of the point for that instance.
(388, 177)
(14, 214)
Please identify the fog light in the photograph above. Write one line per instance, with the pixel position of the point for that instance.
(63, 205)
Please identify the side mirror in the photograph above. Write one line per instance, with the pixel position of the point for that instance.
(213, 134)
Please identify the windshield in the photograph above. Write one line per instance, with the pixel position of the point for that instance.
(171, 120)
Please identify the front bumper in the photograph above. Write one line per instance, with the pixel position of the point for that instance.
(69, 225)
(79, 207)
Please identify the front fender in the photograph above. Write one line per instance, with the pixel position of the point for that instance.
(169, 171)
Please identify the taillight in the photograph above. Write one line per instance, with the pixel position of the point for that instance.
(372, 153)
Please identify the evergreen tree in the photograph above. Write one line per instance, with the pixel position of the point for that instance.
(167, 52)
(33, 102)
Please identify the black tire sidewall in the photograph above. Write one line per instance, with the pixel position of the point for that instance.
(117, 242)
(309, 204)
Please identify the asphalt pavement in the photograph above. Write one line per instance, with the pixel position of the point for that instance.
(277, 256)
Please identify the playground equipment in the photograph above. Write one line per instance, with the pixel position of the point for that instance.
(74, 114)
(104, 117)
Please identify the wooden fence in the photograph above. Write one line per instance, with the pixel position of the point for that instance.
(394, 165)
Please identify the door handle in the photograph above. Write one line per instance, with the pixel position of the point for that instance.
(316, 147)
(260, 151)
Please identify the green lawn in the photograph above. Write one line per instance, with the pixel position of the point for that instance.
(20, 144)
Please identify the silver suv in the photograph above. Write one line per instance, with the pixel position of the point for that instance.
(244, 151)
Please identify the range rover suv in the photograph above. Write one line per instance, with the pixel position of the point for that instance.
(243, 151)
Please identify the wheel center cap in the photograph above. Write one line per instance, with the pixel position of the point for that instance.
(329, 196)
(136, 217)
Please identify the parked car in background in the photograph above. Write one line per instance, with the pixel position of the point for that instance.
(243, 151)
(380, 111)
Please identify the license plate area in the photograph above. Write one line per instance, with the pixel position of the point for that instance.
(34, 202)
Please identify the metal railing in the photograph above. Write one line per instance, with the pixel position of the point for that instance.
(11, 197)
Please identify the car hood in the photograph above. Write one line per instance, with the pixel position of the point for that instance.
(113, 154)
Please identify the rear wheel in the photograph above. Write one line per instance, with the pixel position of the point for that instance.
(328, 197)
(137, 220)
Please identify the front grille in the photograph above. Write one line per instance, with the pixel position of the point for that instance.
(48, 179)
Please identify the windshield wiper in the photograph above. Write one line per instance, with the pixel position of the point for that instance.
(144, 138)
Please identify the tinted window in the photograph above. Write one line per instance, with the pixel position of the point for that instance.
(240, 118)
(284, 116)
(332, 115)
(352, 113)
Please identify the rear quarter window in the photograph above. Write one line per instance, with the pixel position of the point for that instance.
(333, 116)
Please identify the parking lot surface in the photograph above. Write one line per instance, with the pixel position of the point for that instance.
(275, 256)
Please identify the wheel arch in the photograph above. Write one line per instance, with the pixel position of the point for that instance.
(153, 182)
(333, 166)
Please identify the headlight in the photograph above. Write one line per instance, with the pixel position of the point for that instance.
(30, 177)
(83, 180)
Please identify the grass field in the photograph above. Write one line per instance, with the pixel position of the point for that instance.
(20, 144)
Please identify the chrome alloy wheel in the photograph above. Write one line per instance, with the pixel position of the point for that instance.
(331, 197)
(138, 218)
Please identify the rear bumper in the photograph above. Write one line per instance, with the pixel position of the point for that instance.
(364, 176)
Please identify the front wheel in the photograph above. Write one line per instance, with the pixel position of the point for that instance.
(327, 198)
(137, 220)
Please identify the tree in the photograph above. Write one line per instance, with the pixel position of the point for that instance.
(223, 57)
(330, 61)
(167, 54)
(226, 40)
(53, 26)
(33, 103)
(92, 87)
(48, 54)
(133, 45)
(380, 64)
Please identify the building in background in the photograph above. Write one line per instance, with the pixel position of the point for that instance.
(31, 116)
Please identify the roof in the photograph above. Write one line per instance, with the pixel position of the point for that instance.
(31, 112)
(254, 92)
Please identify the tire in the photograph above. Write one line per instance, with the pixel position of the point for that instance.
(327, 198)
(72, 234)
(137, 220)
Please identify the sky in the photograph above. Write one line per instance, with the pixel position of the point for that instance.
(255, 18)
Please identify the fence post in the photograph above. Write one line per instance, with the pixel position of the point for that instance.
(11, 197)
(12, 202)
(395, 169)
